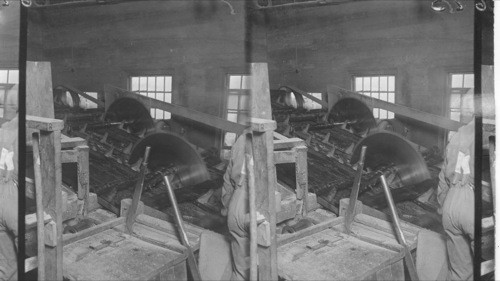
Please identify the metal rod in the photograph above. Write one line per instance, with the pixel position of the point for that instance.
(193, 267)
(253, 217)
(132, 212)
(40, 223)
(392, 207)
(399, 232)
(349, 217)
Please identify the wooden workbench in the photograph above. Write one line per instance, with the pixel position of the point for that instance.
(371, 252)
(107, 252)
(323, 253)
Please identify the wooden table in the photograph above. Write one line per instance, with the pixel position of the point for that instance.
(106, 252)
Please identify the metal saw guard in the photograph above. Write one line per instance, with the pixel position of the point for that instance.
(386, 147)
(168, 147)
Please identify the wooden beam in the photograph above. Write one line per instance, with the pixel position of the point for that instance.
(83, 94)
(50, 154)
(44, 124)
(67, 142)
(288, 143)
(39, 97)
(301, 173)
(69, 156)
(306, 94)
(263, 125)
(83, 173)
(487, 267)
(73, 237)
(261, 96)
(287, 156)
(113, 93)
(287, 238)
(265, 183)
(30, 220)
(415, 114)
(279, 136)
(323, 202)
(487, 224)
(193, 233)
(30, 264)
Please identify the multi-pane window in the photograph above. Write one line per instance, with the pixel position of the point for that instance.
(8, 94)
(460, 84)
(238, 103)
(156, 87)
(382, 87)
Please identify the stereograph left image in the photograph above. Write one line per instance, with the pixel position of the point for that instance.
(132, 111)
(247, 140)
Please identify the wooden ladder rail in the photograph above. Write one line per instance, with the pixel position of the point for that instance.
(265, 204)
(49, 131)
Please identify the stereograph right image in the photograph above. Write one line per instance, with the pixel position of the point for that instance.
(258, 140)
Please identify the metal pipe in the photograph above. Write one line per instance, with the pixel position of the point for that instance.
(132, 212)
(184, 239)
(349, 217)
(399, 232)
(40, 224)
(392, 207)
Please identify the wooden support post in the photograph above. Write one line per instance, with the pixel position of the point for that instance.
(51, 181)
(50, 155)
(265, 183)
(39, 99)
(301, 174)
(261, 97)
(82, 164)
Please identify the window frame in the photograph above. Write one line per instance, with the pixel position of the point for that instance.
(227, 93)
(6, 87)
(156, 75)
(378, 74)
(450, 89)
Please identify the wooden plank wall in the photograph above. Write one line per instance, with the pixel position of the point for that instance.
(197, 42)
(315, 47)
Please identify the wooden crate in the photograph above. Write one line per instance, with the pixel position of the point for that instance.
(344, 257)
(147, 255)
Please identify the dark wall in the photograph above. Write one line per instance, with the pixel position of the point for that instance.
(197, 42)
(318, 46)
(9, 35)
